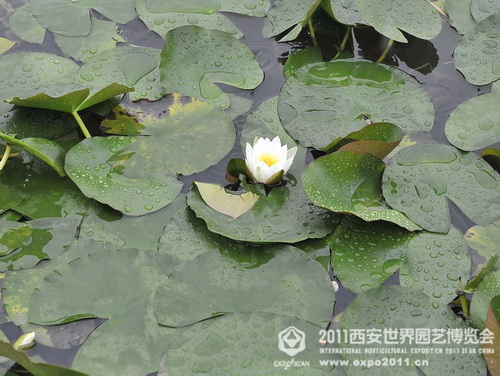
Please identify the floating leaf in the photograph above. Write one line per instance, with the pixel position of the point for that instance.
(87, 165)
(194, 59)
(347, 182)
(285, 215)
(299, 58)
(391, 17)
(286, 14)
(244, 342)
(103, 36)
(481, 300)
(366, 254)
(121, 290)
(136, 67)
(477, 55)
(72, 18)
(38, 369)
(24, 25)
(344, 12)
(196, 291)
(5, 45)
(324, 101)
(49, 237)
(474, 124)
(400, 308)
(459, 14)
(12, 236)
(186, 135)
(233, 205)
(419, 178)
(48, 151)
(8, 198)
(482, 9)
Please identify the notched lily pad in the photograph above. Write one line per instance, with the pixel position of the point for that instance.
(87, 165)
(418, 180)
(364, 255)
(324, 101)
(24, 25)
(194, 59)
(348, 182)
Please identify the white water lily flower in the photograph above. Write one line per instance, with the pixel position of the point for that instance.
(267, 161)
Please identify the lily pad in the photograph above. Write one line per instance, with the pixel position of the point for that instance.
(87, 165)
(366, 254)
(12, 236)
(481, 300)
(285, 215)
(232, 281)
(344, 12)
(477, 55)
(194, 59)
(5, 45)
(347, 182)
(324, 101)
(419, 178)
(395, 309)
(121, 290)
(136, 67)
(474, 124)
(72, 18)
(482, 9)
(24, 25)
(391, 17)
(48, 151)
(233, 205)
(245, 343)
(186, 135)
(299, 58)
(459, 14)
(284, 15)
(103, 36)
(8, 198)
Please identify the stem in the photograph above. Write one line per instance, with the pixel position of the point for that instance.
(344, 41)
(465, 305)
(311, 31)
(384, 54)
(5, 157)
(81, 124)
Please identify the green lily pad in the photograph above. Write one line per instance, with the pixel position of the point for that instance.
(121, 290)
(103, 36)
(285, 215)
(233, 205)
(477, 54)
(244, 343)
(24, 25)
(397, 308)
(48, 151)
(284, 15)
(22, 72)
(8, 199)
(324, 101)
(39, 369)
(485, 239)
(347, 182)
(49, 237)
(391, 17)
(419, 178)
(232, 281)
(72, 18)
(87, 165)
(136, 67)
(27, 122)
(299, 58)
(482, 9)
(194, 59)
(459, 14)
(344, 12)
(481, 299)
(474, 124)
(5, 45)
(10, 215)
(42, 192)
(366, 254)
(186, 135)
(12, 236)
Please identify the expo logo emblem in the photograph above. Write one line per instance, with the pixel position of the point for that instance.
(291, 341)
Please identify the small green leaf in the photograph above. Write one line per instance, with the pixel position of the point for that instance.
(6, 45)
(48, 151)
(12, 236)
(485, 239)
(299, 58)
(347, 182)
(474, 283)
(233, 205)
(24, 25)
(481, 300)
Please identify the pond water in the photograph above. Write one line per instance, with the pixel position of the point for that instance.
(429, 62)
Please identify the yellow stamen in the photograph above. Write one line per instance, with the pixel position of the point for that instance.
(269, 159)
